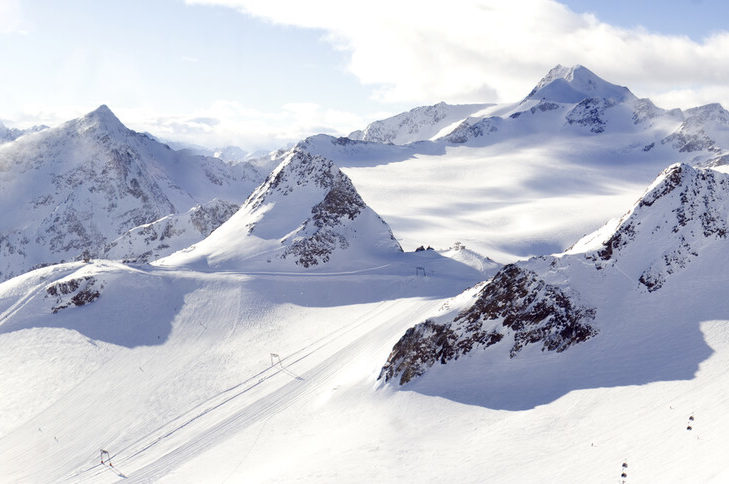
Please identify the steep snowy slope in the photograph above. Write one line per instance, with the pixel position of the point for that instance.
(71, 190)
(307, 213)
(418, 124)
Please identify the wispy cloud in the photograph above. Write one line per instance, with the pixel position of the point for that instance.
(231, 123)
(421, 51)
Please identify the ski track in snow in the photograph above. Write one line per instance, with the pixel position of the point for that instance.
(261, 409)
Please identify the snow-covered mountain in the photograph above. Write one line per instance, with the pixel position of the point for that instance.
(671, 238)
(574, 84)
(71, 190)
(11, 134)
(530, 177)
(418, 124)
(208, 376)
(257, 353)
(171, 233)
(305, 214)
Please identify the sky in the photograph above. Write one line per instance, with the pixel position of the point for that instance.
(262, 74)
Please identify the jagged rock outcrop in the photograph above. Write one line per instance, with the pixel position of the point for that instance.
(556, 301)
(516, 306)
(696, 132)
(74, 292)
(472, 129)
(590, 113)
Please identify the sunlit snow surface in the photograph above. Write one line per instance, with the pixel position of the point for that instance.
(205, 367)
(181, 385)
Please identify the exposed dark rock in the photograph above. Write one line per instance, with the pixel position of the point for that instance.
(589, 113)
(466, 131)
(517, 303)
(318, 239)
(686, 203)
(73, 292)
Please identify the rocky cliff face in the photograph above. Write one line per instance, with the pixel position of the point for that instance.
(169, 234)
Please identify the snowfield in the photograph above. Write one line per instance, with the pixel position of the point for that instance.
(372, 312)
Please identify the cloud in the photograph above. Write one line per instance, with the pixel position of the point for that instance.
(424, 51)
(223, 123)
(230, 123)
(11, 18)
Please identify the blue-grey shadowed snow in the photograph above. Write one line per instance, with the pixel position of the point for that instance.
(536, 247)
(124, 307)
(348, 153)
(649, 350)
(137, 305)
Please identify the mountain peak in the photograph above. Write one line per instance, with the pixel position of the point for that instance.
(102, 117)
(307, 213)
(573, 84)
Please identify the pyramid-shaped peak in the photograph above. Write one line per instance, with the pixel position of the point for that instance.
(102, 117)
(307, 213)
(576, 71)
(300, 180)
(573, 84)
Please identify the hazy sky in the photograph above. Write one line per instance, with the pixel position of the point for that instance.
(262, 73)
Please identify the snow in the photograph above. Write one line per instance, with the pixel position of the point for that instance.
(573, 84)
(422, 123)
(83, 184)
(170, 366)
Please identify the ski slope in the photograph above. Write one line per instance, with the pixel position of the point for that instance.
(208, 403)
(159, 393)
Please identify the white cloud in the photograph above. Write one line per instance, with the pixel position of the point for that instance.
(221, 124)
(11, 18)
(230, 123)
(490, 50)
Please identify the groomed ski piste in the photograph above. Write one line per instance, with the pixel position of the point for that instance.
(231, 349)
